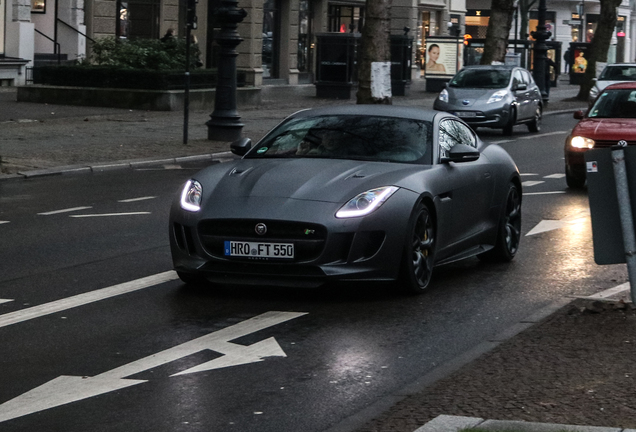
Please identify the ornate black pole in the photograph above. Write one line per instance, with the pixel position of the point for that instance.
(540, 70)
(224, 123)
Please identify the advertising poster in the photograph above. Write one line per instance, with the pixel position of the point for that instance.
(443, 57)
(580, 62)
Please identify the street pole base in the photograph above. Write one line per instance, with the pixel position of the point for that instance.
(224, 132)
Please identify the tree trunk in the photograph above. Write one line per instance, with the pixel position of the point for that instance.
(597, 51)
(524, 15)
(501, 13)
(374, 60)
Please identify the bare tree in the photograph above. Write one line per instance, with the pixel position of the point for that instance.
(374, 61)
(501, 13)
(524, 14)
(597, 51)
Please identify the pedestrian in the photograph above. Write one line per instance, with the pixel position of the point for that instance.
(548, 75)
(169, 36)
(568, 59)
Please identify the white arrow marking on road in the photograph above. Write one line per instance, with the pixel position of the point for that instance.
(82, 299)
(549, 225)
(5, 301)
(64, 210)
(66, 389)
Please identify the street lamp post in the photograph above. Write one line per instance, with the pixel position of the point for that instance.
(540, 69)
(224, 123)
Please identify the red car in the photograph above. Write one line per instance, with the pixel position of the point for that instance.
(610, 121)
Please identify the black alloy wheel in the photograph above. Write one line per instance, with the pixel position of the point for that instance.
(509, 235)
(419, 252)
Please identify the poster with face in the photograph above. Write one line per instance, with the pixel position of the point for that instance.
(442, 57)
(580, 62)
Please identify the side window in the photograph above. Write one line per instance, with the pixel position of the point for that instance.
(527, 78)
(517, 78)
(451, 133)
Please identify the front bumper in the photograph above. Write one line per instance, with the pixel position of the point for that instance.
(368, 248)
(496, 116)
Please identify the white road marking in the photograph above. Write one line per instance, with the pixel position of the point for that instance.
(86, 298)
(5, 301)
(554, 176)
(543, 193)
(550, 225)
(528, 174)
(68, 210)
(527, 137)
(611, 291)
(66, 389)
(532, 183)
(137, 199)
(3, 222)
(501, 141)
(109, 214)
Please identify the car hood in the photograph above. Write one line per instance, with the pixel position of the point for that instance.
(326, 180)
(606, 129)
(456, 96)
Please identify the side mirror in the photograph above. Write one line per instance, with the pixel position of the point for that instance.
(521, 86)
(461, 153)
(579, 115)
(242, 146)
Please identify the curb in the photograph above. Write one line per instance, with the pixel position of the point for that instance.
(139, 163)
(446, 423)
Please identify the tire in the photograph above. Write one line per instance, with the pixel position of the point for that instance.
(191, 279)
(573, 181)
(507, 130)
(509, 233)
(535, 125)
(419, 252)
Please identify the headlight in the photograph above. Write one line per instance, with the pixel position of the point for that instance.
(366, 202)
(497, 96)
(582, 142)
(443, 95)
(191, 196)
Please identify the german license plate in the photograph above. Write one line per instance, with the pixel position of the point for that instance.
(259, 250)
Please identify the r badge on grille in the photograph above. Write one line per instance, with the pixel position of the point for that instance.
(260, 228)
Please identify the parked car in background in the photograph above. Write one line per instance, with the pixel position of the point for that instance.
(493, 96)
(612, 74)
(348, 193)
(610, 121)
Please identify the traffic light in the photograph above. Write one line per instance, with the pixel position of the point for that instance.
(191, 13)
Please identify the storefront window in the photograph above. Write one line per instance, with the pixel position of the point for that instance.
(271, 28)
(138, 19)
(2, 7)
(477, 23)
(345, 19)
(304, 31)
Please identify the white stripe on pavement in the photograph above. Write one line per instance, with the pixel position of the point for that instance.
(554, 176)
(611, 291)
(109, 214)
(5, 300)
(86, 298)
(137, 199)
(3, 222)
(531, 183)
(542, 135)
(64, 210)
(543, 193)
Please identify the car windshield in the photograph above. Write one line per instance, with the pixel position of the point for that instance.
(615, 104)
(373, 138)
(618, 73)
(481, 78)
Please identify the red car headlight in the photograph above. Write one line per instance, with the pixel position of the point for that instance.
(580, 142)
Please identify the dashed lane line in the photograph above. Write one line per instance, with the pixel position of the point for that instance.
(86, 298)
(554, 176)
(68, 210)
(4, 222)
(543, 193)
(5, 300)
(109, 214)
(531, 183)
(129, 200)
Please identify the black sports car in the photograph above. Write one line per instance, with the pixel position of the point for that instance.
(363, 192)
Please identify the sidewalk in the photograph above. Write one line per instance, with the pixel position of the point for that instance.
(571, 364)
(38, 139)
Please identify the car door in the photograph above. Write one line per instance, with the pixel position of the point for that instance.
(522, 95)
(469, 187)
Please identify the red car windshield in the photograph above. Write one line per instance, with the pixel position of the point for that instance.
(615, 104)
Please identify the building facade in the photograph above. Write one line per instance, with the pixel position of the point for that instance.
(279, 36)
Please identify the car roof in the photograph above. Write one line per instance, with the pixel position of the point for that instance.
(370, 110)
(627, 85)
(501, 67)
(621, 64)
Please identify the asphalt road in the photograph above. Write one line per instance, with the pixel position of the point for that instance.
(331, 358)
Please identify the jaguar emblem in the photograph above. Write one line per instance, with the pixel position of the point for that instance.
(260, 228)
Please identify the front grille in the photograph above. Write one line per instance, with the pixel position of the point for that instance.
(605, 144)
(308, 239)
